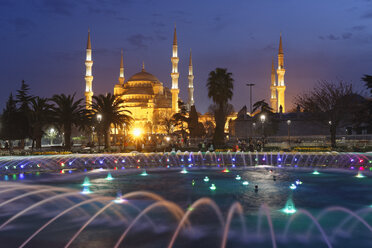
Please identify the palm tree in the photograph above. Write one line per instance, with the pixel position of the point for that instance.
(68, 113)
(220, 89)
(40, 116)
(262, 105)
(113, 113)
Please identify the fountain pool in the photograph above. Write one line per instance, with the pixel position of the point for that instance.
(182, 206)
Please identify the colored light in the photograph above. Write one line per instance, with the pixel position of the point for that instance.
(14, 177)
(360, 175)
(182, 159)
(101, 162)
(144, 173)
(233, 166)
(245, 183)
(69, 163)
(226, 170)
(123, 161)
(109, 177)
(62, 171)
(38, 165)
(115, 161)
(86, 190)
(233, 159)
(212, 187)
(37, 173)
(6, 177)
(116, 168)
(206, 179)
(361, 168)
(63, 164)
(69, 171)
(190, 165)
(263, 159)
(86, 182)
(315, 172)
(279, 159)
(289, 207)
(21, 176)
(352, 168)
(193, 182)
(184, 171)
(298, 182)
(238, 177)
(122, 168)
(293, 187)
(189, 159)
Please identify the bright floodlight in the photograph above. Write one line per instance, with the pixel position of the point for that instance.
(99, 117)
(137, 132)
(263, 118)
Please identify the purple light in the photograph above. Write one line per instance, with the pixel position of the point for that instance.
(279, 165)
(296, 166)
(352, 168)
(233, 166)
(279, 159)
(263, 159)
(233, 159)
(21, 176)
(352, 160)
(122, 168)
(123, 161)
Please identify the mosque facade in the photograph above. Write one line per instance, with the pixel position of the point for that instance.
(144, 95)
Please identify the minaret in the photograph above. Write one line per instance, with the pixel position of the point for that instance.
(191, 83)
(118, 89)
(121, 75)
(281, 71)
(175, 75)
(273, 99)
(88, 75)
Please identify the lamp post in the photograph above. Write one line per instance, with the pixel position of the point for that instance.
(51, 134)
(99, 119)
(137, 134)
(263, 118)
(289, 135)
(250, 96)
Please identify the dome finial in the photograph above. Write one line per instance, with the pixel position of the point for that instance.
(143, 65)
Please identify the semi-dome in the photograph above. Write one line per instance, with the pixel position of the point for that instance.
(143, 76)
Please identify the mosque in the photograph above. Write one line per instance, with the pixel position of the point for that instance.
(144, 94)
(277, 87)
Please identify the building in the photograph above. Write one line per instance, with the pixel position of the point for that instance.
(144, 95)
(277, 87)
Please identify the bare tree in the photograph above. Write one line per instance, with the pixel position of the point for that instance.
(329, 103)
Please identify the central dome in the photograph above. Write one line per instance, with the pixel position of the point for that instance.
(143, 76)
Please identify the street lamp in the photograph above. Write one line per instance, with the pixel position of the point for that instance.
(137, 132)
(99, 119)
(289, 136)
(250, 96)
(263, 118)
(51, 134)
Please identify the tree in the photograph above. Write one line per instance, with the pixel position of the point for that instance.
(40, 117)
(180, 119)
(10, 122)
(24, 100)
(111, 107)
(167, 123)
(68, 113)
(220, 90)
(223, 113)
(262, 105)
(196, 128)
(329, 103)
(368, 81)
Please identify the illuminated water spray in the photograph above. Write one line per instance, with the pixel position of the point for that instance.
(184, 171)
(289, 207)
(315, 172)
(238, 177)
(212, 187)
(86, 182)
(360, 175)
(109, 177)
(144, 173)
(206, 179)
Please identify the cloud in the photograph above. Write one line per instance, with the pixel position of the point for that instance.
(332, 37)
(358, 28)
(59, 7)
(139, 41)
(23, 26)
(367, 15)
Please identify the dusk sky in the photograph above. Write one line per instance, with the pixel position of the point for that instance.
(44, 41)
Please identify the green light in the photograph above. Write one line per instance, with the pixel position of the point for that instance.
(360, 175)
(206, 179)
(238, 177)
(86, 190)
(213, 187)
(37, 173)
(86, 182)
(289, 207)
(256, 159)
(245, 183)
(315, 172)
(14, 177)
(193, 182)
(144, 173)
(109, 177)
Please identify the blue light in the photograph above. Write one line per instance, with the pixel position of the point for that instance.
(279, 159)
(6, 177)
(69, 163)
(123, 161)
(189, 159)
(22, 166)
(233, 166)
(85, 170)
(181, 159)
(122, 168)
(101, 161)
(233, 159)
(21, 176)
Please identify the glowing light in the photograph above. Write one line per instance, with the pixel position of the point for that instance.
(122, 168)
(233, 166)
(293, 187)
(279, 159)
(37, 173)
(245, 183)
(63, 164)
(360, 175)
(86, 182)
(184, 171)
(21, 176)
(6, 177)
(263, 159)
(206, 179)
(238, 177)
(38, 165)
(289, 207)
(352, 168)
(226, 170)
(14, 177)
(298, 182)
(62, 171)
(137, 132)
(101, 162)
(116, 168)
(233, 159)
(190, 165)
(212, 187)
(189, 159)
(115, 161)
(69, 163)
(109, 177)
(315, 172)
(69, 171)
(123, 161)
(144, 173)
(361, 168)
(182, 159)
(193, 182)
(86, 190)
